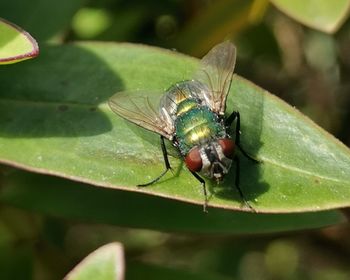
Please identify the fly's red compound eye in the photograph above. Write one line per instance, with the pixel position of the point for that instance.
(227, 146)
(193, 160)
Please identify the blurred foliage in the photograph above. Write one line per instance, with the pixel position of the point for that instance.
(322, 15)
(307, 68)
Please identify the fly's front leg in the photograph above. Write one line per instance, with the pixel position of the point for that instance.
(228, 122)
(237, 179)
(200, 179)
(166, 162)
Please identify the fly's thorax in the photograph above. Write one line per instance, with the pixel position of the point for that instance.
(213, 160)
(196, 127)
(183, 94)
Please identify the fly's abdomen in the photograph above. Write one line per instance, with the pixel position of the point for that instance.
(197, 126)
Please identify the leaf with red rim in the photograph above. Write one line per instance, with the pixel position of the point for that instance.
(55, 120)
(15, 43)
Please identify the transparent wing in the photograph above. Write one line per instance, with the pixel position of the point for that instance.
(142, 108)
(216, 71)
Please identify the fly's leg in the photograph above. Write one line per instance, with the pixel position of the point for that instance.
(166, 162)
(228, 122)
(200, 179)
(231, 118)
(237, 177)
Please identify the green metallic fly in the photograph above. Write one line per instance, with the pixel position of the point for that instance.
(191, 114)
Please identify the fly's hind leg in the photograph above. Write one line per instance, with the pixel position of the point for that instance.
(166, 162)
(228, 122)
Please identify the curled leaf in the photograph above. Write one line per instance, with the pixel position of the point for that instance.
(15, 43)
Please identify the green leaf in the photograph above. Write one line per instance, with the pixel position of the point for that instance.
(106, 263)
(55, 120)
(323, 15)
(67, 199)
(15, 43)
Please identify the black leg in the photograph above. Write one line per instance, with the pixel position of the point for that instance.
(236, 159)
(231, 118)
(166, 162)
(200, 179)
(228, 123)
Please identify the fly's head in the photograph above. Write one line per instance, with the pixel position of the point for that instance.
(213, 159)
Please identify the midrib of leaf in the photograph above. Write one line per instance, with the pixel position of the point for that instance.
(104, 107)
(298, 170)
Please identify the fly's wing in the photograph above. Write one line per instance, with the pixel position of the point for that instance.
(139, 107)
(216, 69)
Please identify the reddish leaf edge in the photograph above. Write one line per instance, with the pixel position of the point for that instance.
(147, 192)
(35, 51)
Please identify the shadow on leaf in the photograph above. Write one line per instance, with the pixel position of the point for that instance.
(57, 94)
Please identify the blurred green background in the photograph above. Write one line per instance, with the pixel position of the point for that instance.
(310, 69)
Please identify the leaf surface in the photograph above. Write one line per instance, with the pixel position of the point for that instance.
(55, 120)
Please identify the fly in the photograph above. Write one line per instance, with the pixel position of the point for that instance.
(191, 114)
